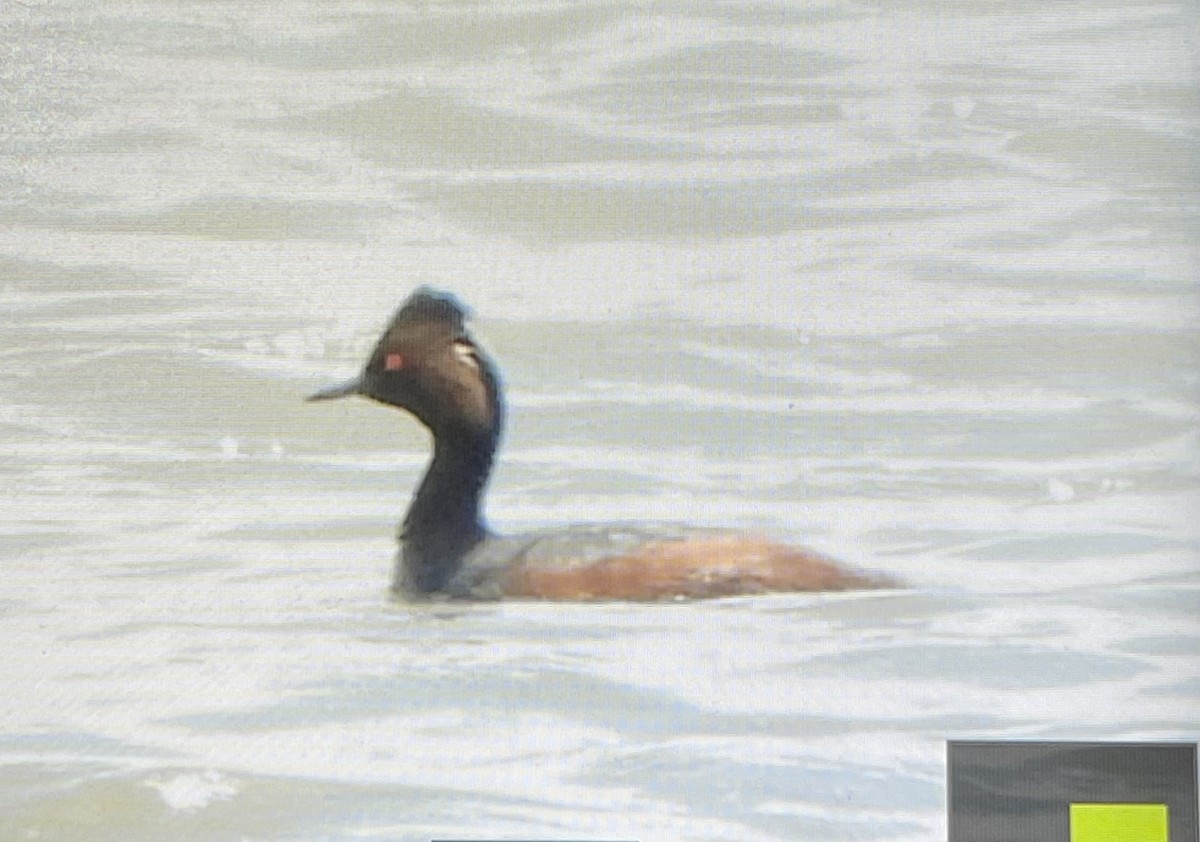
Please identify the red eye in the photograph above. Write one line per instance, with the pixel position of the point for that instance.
(393, 362)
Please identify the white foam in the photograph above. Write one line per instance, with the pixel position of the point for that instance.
(194, 791)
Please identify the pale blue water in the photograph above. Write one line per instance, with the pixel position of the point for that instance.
(913, 285)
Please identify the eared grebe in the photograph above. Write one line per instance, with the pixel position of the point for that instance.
(427, 363)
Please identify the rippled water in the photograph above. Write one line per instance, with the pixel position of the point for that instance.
(913, 284)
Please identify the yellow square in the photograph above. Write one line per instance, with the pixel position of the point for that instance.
(1119, 823)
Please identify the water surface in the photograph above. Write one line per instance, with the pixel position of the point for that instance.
(914, 286)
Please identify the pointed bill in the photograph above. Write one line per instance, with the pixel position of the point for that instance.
(341, 390)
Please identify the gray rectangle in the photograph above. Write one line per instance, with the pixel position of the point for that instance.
(1022, 791)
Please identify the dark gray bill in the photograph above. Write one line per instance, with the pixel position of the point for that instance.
(341, 390)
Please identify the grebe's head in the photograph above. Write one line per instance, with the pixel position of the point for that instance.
(427, 363)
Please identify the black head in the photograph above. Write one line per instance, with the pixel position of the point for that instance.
(427, 363)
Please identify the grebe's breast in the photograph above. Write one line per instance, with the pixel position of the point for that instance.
(647, 563)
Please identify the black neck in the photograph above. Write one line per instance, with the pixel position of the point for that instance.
(444, 521)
